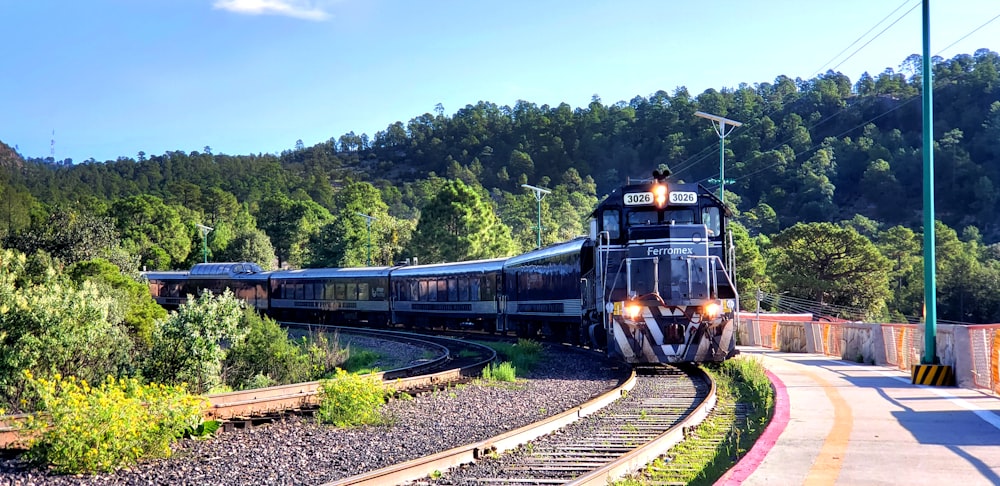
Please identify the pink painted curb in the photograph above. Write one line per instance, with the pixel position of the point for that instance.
(749, 463)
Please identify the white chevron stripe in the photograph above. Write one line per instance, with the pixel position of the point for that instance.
(654, 328)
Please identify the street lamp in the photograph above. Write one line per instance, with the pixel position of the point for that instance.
(204, 239)
(539, 194)
(368, 222)
(719, 123)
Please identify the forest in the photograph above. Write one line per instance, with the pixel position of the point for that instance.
(826, 181)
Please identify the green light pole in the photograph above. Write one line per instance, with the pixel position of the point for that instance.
(368, 222)
(720, 123)
(539, 194)
(930, 285)
(204, 239)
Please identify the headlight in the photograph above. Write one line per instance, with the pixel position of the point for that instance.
(633, 311)
(660, 195)
(712, 310)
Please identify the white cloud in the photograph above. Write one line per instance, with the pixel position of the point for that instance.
(302, 9)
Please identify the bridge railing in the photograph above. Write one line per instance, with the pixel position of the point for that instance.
(973, 351)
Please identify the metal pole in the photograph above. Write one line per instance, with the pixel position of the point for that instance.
(539, 222)
(719, 124)
(930, 285)
(368, 224)
(204, 239)
(539, 194)
(722, 163)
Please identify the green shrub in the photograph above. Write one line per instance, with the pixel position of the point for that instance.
(265, 355)
(101, 429)
(139, 311)
(50, 325)
(350, 399)
(187, 347)
(502, 372)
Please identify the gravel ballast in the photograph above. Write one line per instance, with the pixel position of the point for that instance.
(298, 451)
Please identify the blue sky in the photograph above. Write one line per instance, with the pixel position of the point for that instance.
(115, 77)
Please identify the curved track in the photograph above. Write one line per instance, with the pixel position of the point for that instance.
(454, 361)
(611, 436)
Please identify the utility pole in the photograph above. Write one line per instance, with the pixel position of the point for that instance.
(539, 194)
(720, 123)
(368, 223)
(204, 239)
(930, 285)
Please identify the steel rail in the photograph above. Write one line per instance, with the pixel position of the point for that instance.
(269, 400)
(647, 453)
(628, 463)
(422, 467)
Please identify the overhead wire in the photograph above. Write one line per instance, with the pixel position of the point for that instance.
(694, 160)
(988, 22)
(787, 304)
(862, 124)
(901, 17)
(827, 63)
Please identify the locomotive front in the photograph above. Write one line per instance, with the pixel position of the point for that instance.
(661, 260)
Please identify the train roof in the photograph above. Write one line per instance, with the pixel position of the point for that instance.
(165, 275)
(354, 272)
(225, 269)
(565, 248)
(474, 266)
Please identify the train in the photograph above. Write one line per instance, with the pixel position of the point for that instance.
(652, 282)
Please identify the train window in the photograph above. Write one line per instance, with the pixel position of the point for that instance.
(310, 291)
(442, 290)
(474, 290)
(352, 291)
(363, 291)
(642, 218)
(414, 291)
(611, 222)
(678, 216)
(488, 293)
(341, 293)
(710, 218)
(463, 290)
(425, 294)
(330, 291)
(452, 290)
(300, 291)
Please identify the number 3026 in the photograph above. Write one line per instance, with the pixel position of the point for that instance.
(683, 198)
(637, 198)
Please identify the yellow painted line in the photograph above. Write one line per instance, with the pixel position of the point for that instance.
(826, 468)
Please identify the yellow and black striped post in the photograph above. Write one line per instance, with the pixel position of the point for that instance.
(933, 375)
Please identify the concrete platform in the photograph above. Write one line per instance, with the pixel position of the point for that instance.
(842, 423)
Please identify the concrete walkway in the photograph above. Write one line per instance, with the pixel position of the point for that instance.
(844, 423)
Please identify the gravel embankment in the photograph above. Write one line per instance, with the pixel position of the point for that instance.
(297, 451)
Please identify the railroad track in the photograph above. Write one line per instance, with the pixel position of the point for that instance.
(609, 437)
(454, 361)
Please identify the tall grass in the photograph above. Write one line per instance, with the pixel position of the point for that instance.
(501, 372)
(362, 362)
(524, 355)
